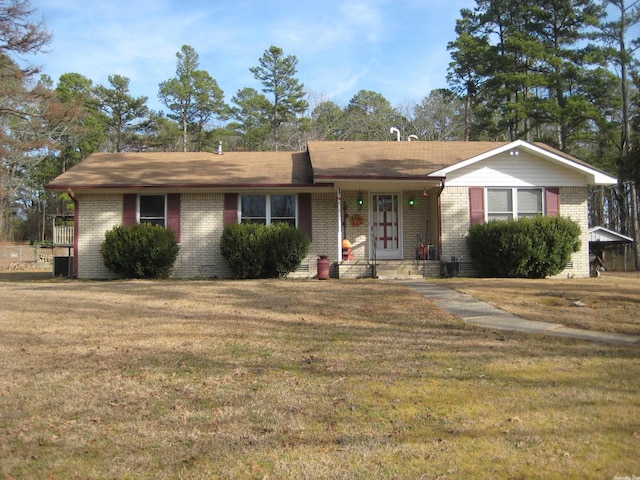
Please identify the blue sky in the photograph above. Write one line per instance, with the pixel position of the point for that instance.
(396, 48)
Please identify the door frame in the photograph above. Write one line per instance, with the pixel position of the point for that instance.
(382, 254)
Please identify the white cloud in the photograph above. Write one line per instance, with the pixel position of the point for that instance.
(343, 46)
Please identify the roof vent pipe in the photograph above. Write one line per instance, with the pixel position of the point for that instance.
(219, 152)
(412, 137)
(397, 132)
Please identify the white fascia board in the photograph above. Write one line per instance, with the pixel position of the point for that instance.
(611, 234)
(596, 176)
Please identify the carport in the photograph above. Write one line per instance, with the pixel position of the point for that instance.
(600, 239)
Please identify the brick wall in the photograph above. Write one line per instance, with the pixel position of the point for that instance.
(573, 204)
(201, 227)
(324, 208)
(417, 221)
(99, 213)
(455, 222)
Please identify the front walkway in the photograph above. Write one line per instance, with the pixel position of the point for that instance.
(480, 313)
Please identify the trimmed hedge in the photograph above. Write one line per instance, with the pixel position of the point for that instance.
(242, 245)
(140, 251)
(258, 251)
(286, 247)
(535, 247)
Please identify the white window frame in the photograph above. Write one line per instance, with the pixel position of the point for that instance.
(148, 219)
(515, 213)
(268, 219)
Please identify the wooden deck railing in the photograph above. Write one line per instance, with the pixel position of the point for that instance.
(63, 235)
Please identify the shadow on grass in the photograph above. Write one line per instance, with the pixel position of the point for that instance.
(25, 276)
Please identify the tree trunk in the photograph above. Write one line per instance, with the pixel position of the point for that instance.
(184, 134)
(635, 225)
(467, 114)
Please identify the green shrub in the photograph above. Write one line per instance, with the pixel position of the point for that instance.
(243, 246)
(286, 247)
(256, 251)
(535, 247)
(140, 251)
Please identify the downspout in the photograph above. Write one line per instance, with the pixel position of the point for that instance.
(76, 217)
(439, 217)
(339, 197)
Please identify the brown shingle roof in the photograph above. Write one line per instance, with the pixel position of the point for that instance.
(390, 159)
(324, 162)
(187, 170)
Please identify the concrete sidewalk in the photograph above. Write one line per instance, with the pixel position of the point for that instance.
(481, 313)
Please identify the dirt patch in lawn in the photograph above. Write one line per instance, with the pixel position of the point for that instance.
(610, 303)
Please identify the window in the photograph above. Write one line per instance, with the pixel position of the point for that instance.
(267, 209)
(529, 202)
(152, 209)
(513, 203)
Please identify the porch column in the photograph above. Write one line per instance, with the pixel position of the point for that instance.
(339, 197)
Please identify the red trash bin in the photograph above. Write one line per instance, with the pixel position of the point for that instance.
(323, 267)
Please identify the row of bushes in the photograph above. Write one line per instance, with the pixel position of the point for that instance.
(534, 247)
(252, 250)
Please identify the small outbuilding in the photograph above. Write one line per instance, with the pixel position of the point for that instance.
(600, 239)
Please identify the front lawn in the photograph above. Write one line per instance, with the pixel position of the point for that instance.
(297, 379)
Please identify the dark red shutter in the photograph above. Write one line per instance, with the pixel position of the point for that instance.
(476, 201)
(552, 199)
(129, 209)
(173, 213)
(304, 213)
(230, 214)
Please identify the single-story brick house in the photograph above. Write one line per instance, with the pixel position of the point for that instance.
(396, 202)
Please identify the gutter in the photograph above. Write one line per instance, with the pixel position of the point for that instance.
(439, 213)
(118, 188)
(76, 217)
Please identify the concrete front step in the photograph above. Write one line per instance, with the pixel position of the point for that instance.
(388, 270)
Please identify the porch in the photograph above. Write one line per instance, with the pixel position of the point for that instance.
(63, 250)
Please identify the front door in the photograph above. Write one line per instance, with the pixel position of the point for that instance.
(386, 226)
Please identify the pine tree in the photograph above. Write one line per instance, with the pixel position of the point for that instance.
(277, 74)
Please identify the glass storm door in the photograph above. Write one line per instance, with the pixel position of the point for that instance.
(386, 226)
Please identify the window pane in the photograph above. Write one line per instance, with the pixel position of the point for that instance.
(254, 206)
(283, 206)
(153, 221)
(290, 221)
(500, 216)
(499, 201)
(263, 221)
(385, 203)
(152, 206)
(529, 201)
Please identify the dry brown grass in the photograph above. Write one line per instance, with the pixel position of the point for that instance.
(611, 302)
(286, 379)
